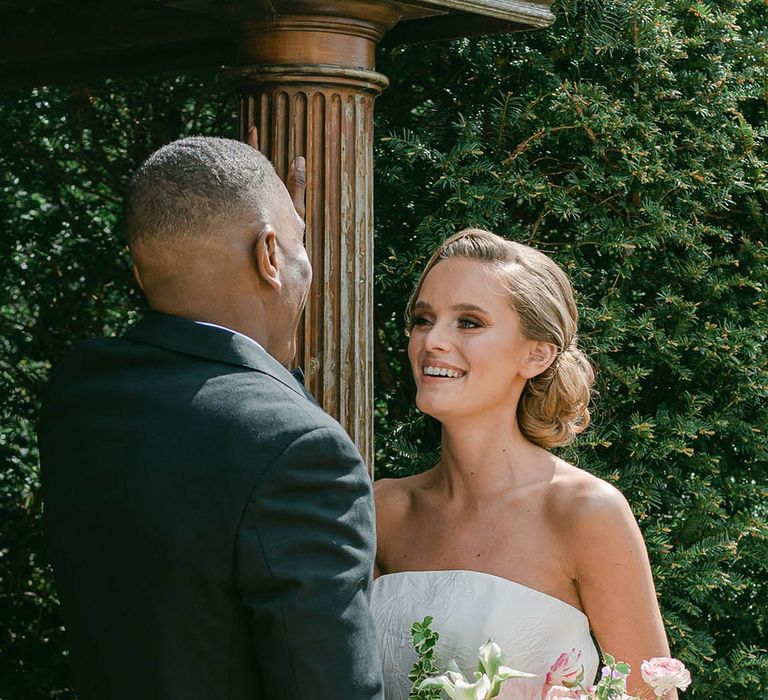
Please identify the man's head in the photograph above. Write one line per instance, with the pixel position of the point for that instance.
(215, 237)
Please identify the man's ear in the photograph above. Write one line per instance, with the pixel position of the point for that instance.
(266, 259)
(137, 277)
(540, 356)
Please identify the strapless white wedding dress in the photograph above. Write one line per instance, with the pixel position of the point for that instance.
(468, 608)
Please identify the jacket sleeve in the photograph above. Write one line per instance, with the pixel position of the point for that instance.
(304, 565)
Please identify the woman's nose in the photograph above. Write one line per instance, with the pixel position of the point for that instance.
(437, 338)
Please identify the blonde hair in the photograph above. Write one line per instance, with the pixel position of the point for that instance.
(554, 405)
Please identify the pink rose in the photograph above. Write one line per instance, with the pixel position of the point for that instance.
(566, 670)
(558, 692)
(663, 674)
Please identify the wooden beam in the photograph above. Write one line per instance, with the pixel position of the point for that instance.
(89, 45)
(532, 14)
(451, 26)
(53, 41)
(66, 33)
(22, 5)
(118, 64)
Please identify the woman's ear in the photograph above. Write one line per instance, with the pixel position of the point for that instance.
(540, 357)
(265, 258)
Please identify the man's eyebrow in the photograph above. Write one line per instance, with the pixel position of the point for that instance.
(425, 306)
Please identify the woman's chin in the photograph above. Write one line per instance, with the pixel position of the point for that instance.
(435, 409)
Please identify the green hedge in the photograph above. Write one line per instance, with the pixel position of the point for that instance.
(629, 141)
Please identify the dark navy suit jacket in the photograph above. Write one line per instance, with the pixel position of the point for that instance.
(211, 528)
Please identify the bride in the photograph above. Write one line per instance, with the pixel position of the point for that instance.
(501, 539)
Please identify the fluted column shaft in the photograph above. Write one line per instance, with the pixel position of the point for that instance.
(320, 106)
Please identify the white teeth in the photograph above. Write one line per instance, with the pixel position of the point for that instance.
(442, 372)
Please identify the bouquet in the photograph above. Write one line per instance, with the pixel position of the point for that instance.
(490, 674)
(565, 678)
(564, 681)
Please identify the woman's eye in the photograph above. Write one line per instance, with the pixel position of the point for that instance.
(419, 321)
(468, 323)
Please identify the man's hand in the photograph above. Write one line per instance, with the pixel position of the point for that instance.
(296, 182)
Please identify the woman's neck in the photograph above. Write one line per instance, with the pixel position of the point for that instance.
(486, 457)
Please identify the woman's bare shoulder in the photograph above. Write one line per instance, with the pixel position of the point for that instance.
(582, 499)
(394, 496)
(387, 493)
(592, 517)
(394, 499)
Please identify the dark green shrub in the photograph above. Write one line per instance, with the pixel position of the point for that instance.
(629, 142)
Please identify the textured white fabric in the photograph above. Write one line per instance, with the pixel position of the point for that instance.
(469, 607)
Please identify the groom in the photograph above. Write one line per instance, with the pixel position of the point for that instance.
(211, 529)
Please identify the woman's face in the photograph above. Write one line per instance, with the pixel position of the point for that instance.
(466, 346)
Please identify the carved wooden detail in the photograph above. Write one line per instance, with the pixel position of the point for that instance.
(308, 83)
(327, 116)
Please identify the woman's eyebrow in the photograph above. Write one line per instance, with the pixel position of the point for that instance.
(425, 306)
(468, 307)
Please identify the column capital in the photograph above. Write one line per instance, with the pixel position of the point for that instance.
(302, 74)
(331, 33)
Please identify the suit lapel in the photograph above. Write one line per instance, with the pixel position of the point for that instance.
(217, 344)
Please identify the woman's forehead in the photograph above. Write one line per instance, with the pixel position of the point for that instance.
(462, 281)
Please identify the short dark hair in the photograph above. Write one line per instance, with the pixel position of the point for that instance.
(183, 188)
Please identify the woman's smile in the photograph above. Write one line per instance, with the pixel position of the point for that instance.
(434, 369)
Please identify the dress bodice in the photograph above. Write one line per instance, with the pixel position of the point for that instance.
(468, 608)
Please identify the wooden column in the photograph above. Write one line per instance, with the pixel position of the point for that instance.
(308, 83)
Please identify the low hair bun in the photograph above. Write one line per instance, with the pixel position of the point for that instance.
(554, 406)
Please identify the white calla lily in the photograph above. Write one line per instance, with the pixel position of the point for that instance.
(472, 691)
(490, 658)
(453, 666)
(491, 663)
(457, 687)
(506, 672)
(490, 675)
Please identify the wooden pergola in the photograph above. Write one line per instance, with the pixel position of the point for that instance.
(306, 76)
